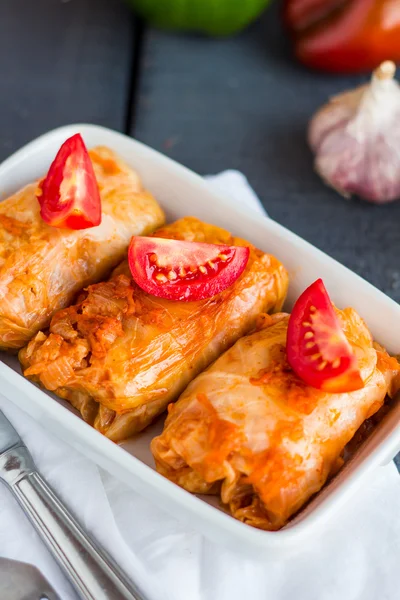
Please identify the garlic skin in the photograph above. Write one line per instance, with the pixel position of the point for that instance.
(356, 139)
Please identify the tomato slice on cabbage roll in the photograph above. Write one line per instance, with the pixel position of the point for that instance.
(43, 267)
(121, 355)
(251, 431)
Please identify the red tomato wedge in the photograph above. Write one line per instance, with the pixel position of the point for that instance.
(317, 348)
(69, 195)
(178, 270)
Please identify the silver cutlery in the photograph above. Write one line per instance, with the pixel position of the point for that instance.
(92, 572)
(20, 581)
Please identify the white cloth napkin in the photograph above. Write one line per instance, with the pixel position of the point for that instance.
(355, 558)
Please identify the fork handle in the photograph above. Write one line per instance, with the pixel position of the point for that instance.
(90, 569)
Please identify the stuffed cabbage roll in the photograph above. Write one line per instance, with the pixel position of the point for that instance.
(42, 267)
(120, 355)
(249, 430)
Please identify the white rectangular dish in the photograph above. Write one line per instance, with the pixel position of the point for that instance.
(181, 192)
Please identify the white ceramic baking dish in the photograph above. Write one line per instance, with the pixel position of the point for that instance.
(181, 192)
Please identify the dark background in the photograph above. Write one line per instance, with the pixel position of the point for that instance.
(210, 104)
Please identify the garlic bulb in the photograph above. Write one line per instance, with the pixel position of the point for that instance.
(356, 139)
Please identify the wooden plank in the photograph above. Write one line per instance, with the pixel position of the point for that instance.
(244, 103)
(62, 61)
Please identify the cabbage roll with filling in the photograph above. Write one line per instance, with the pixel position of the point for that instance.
(42, 267)
(121, 355)
(249, 430)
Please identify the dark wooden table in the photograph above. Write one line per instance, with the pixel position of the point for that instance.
(210, 104)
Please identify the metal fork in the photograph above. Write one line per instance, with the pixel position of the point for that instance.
(93, 573)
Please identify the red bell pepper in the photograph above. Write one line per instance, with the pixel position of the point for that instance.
(346, 36)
